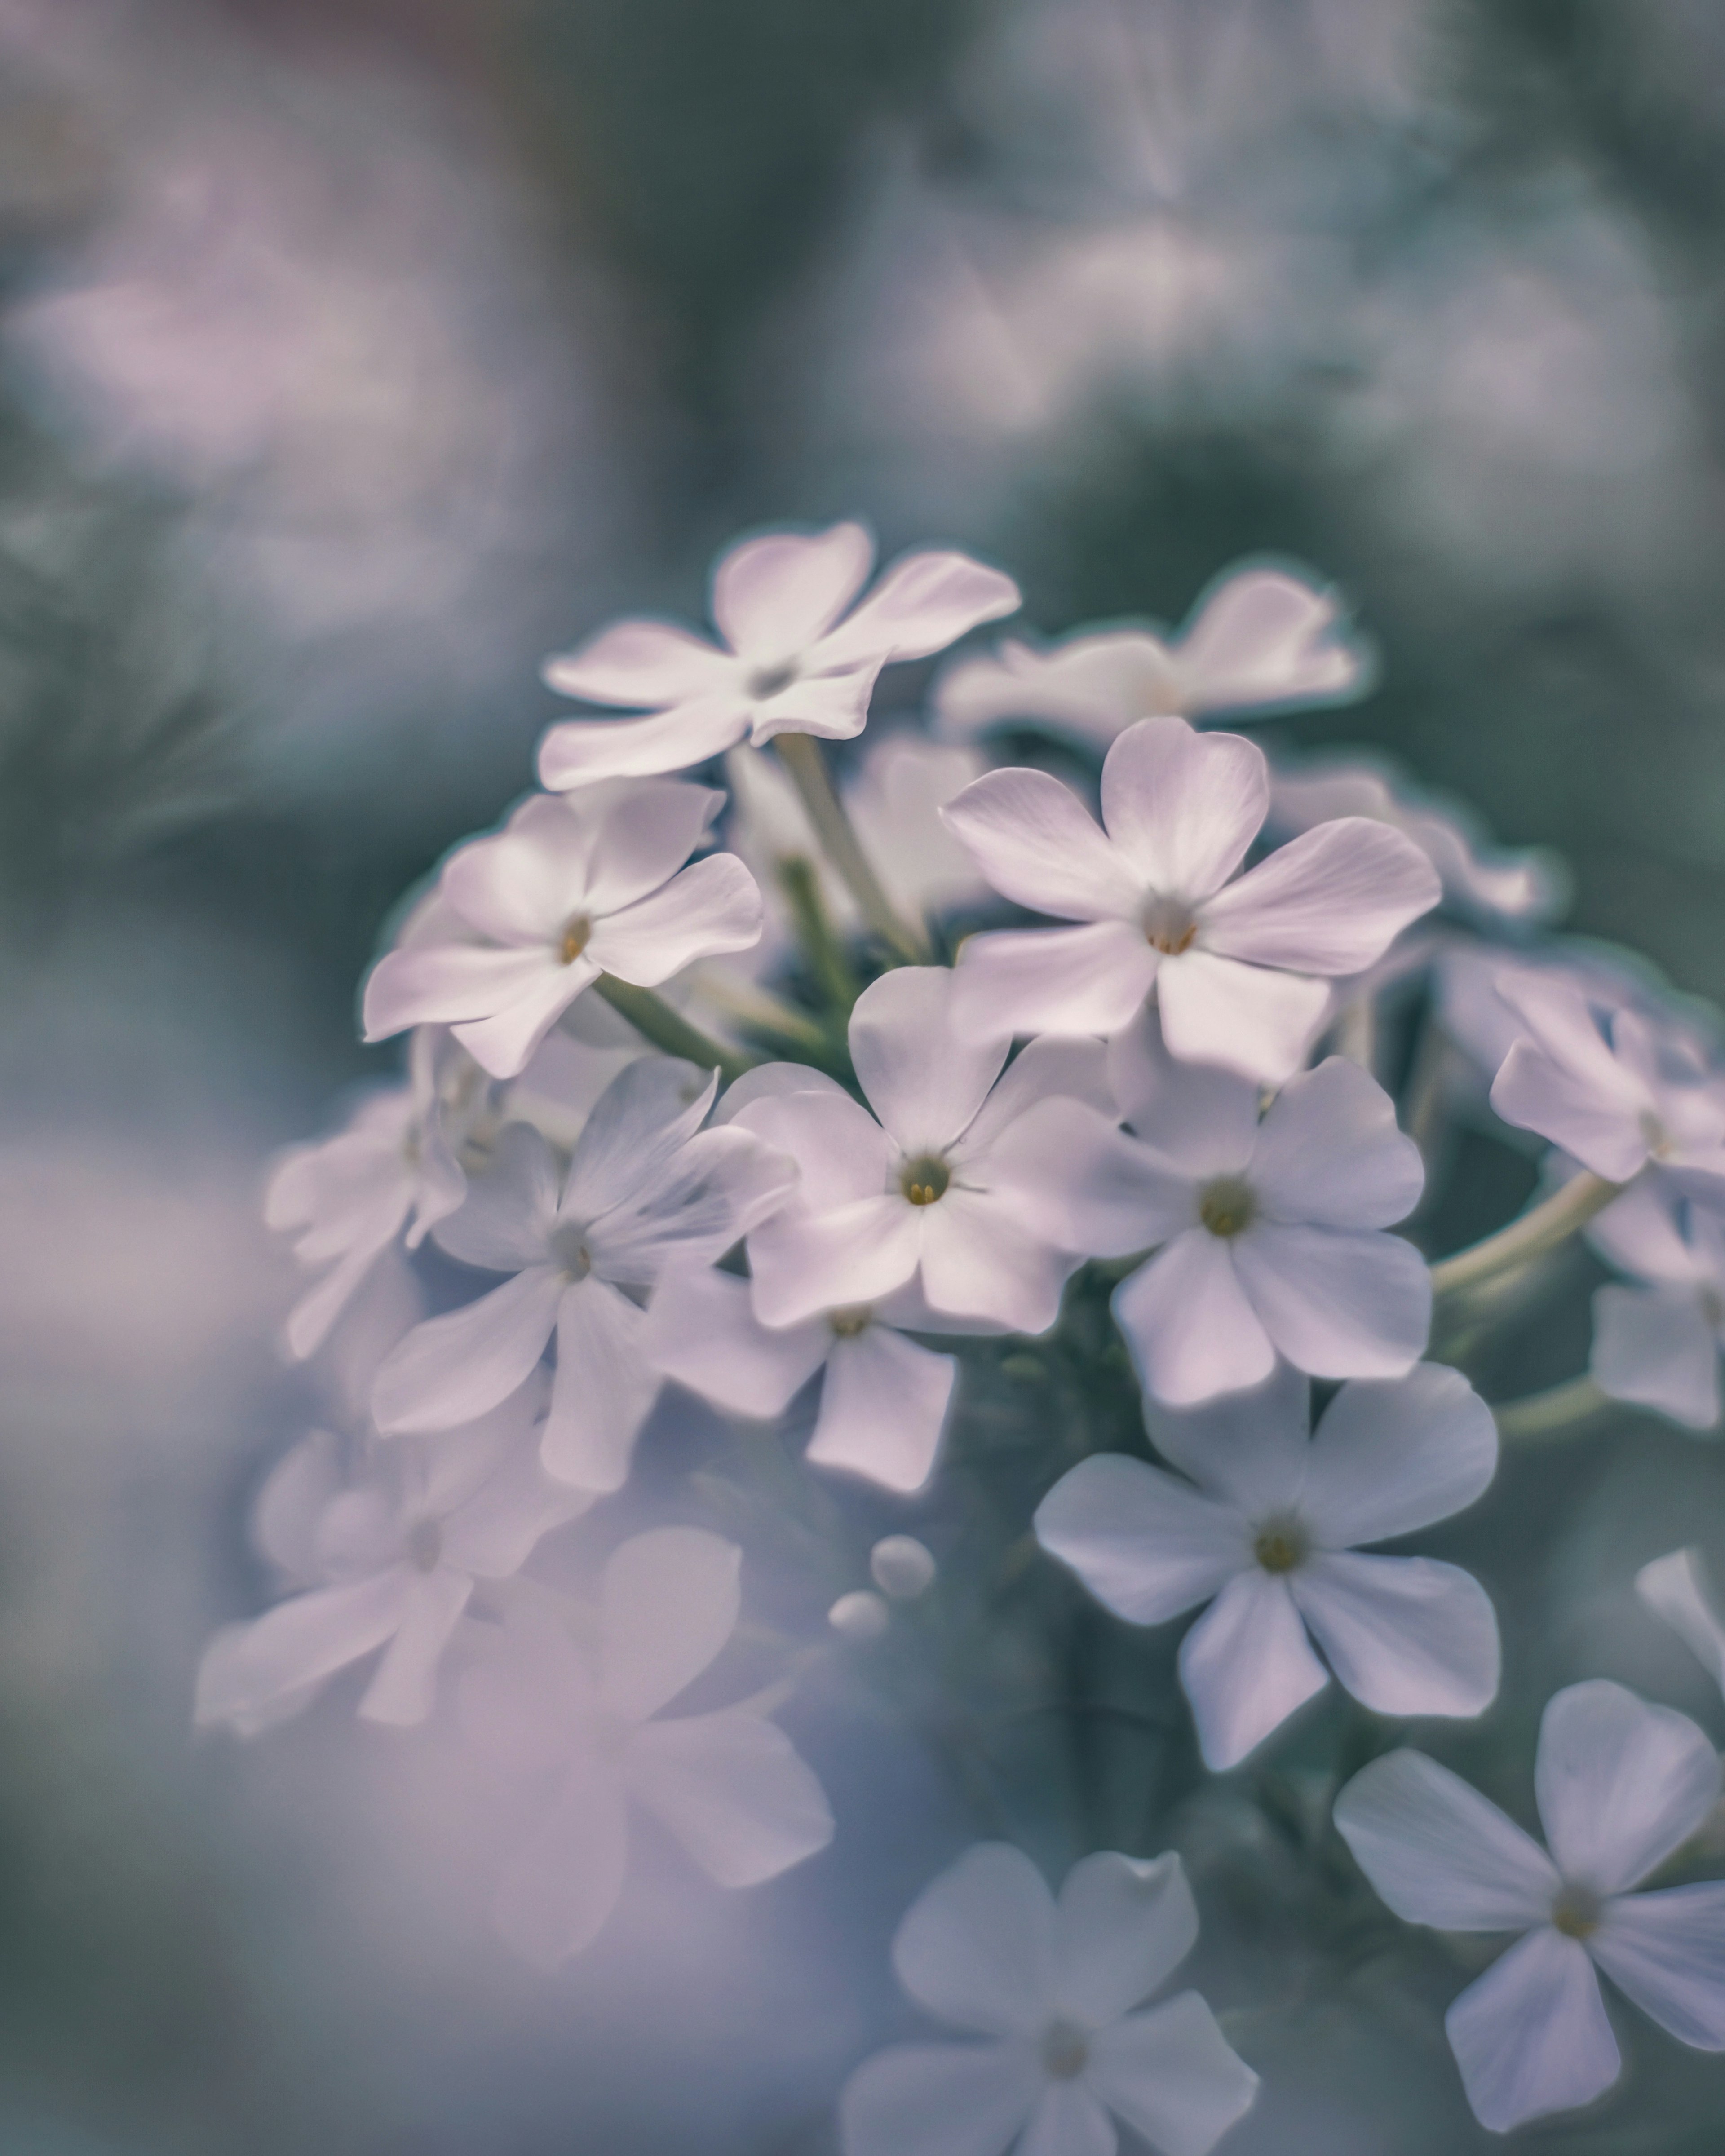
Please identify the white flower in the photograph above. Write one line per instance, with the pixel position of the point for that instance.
(1657, 1345)
(345, 1200)
(569, 889)
(1677, 1588)
(645, 1184)
(1267, 1525)
(1056, 1992)
(797, 656)
(883, 1399)
(1259, 640)
(1610, 1088)
(926, 1193)
(1234, 960)
(577, 1731)
(390, 1556)
(1266, 1234)
(1621, 1785)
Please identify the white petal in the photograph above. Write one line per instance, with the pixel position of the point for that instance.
(1263, 639)
(1086, 685)
(439, 983)
(1392, 1456)
(511, 1206)
(1249, 1450)
(562, 1883)
(495, 1532)
(1532, 2036)
(1667, 1951)
(1038, 845)
(1621, 1783)
(519, 885)
(803, 1264)
(714, 904)
(1654, 1347)
(1191, 1331)
(295, 1495)
(405, 1685)
(505, 1040)
(1338, 1304)
(1068, 2120)
(642, 664)
(603, 1390)
(774, 1081)
(670, 1601)
(720, 1185)
(979, 1261)
(883, 1405)
(832, 706)
(1202, 1118)
(1051, 1068)
(976, 1947)
(248, 1670)
(1122, 1927)
(734, 1790)
(1249, 1018)
(455, 1368)
(1536, 1093)
(925, 1084)
(939, 2100)
(923, 601)
(1145, 1543)
(774, 596)
(581, 753)
(1088, 980)
(313, 1317)
(841, 1153)
(702, 1331)
(1677, 1588)
(1182, 807)
(1404, 1634)
(1331, 901)
(638, 1125)
(1639, 1234)
(643, 830)
(1172, 2076)
(1245, 1666)
(1438, 1852)
(1079, 1181)
(1328, 1150)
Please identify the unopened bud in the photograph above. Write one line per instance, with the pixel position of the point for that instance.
(902, 1567)
(859, 1616)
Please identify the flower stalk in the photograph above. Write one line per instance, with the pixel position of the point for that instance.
(653, 1018)
(1559, 1411)
(1530, 1235)
(801, 756)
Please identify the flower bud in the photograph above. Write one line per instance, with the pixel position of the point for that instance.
(902, 1567)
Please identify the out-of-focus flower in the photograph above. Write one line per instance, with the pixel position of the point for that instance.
(389, 1556)
(1259, 640)
(1268, 1234)
(1612, 1091)
(860, 1615)
(1267, 1525)
(1056, 1991)
(797, 655)
(345, 1200)
(902, 1567)
(1677, 1588)
(1235, 960)
(1657, 1344)
(883, 1399)
(926, 1193)
(570, 889)
(1621, 1785)
(581, 1730)
(645, 1184)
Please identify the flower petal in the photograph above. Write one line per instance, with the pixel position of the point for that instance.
(402, 1691)
(939, 2100)
(1331, 901)
(1088, 980)
(690, 732)
(719, 1186)
(1654, 1347)
(1068, 2120)
(1392, 1456)
(923, 601)
(1191, 1327)
(1086, 685)
(1172, 2076)
(1079, 1181)
(1677, 1588)
(734, 1790)
(775, 596)
(603, 1390)
(1438, 1853)
(1146, 1544)
(1536, 1093)
(511, 1206)
(1202, 1118)
(883, 1406)
(1338, 1304)
(842, 1154)
(832, 706)
(702, 1331)
(640, 663)
(1621, 1783)
(1245, 1666)
(1404, 1634)
(979, 1261)
(250, 1671)
(1328, 1151)
(635, 1130)
(505, 1041)
(1264, 639)
(1249, 1018)
(976, 1947)
(1667, 1951)
(641, 831)
(714, 904)
(1038, 845)
(1182, 807)
(438, 983)
(1122, 1927)
(923, 1081)
(805, 1263)
(1247, 1450)
(1531, 2036)
(563, 1881)
(455, 1368)
(1051, 1069)
(670, 1600)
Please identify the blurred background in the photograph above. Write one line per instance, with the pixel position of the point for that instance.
(355, 353)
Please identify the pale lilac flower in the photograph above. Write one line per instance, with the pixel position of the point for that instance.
(925, 1194)
(1058, 2043)
(1239, 964)
(1677, 1589)
(579, 1730)
(1267, 1234)
(645, 1185)
(1657, 1344)
(569, 889)
(1259, 640)
(393, 1170)
(389, 1556)
(1265, 1531)
(883, 1399)
(1621, 1786)
(797, 653)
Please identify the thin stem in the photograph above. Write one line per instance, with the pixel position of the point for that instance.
(766, 1012)
(801, 756)
(801, 884)
(1542, 1228)
(1355, 1036)
(653, 1018)
(1554, 1412)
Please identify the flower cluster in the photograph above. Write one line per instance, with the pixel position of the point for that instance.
(878, 1105)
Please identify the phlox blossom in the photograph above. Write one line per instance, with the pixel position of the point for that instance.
(1657, 1343)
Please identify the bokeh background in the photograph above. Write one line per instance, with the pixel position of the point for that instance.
(354, 354)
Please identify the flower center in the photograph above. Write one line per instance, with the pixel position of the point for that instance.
(1225, 1205)
(846, 1324)
(578, 934)
(1577, 1912)
(925, 1179)
(1066, 2052)
(1280, 1545)
(767, 682)
(425, 1545)
(1168, 926)
(569, 1248)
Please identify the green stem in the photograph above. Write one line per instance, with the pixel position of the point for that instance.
(1542, 1228)
(1554, 1412)
(801, 757)
(653, 1018)
(801, 884)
